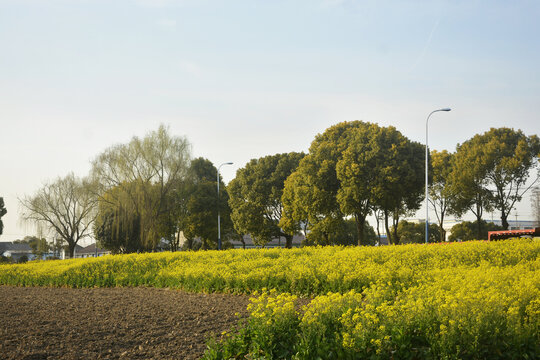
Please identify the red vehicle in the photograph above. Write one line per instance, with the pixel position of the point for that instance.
(506, 234)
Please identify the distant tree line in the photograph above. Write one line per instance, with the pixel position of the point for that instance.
(151, 190)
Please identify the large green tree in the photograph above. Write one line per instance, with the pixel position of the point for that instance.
(145, 174)
(399, 185)
(469, 185)
(311, 193)
(255, 196)
(510, 156)
(357, 172)
(65, 206)
(351, 169)
(491, 171)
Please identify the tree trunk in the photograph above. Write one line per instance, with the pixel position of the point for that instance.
(395, 221)
(443, 232)
(504, 220)
(360, 225)
(71, 247)
(479, 227)
(378, 231)
(388, 234)
(243, 242)
(288, 241)
(478, 215)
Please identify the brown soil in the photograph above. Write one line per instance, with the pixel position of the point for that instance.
(111, 323)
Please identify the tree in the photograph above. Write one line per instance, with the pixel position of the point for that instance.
(145, 174)
(65, 206)
(399, 185)
(357, 172)
(468, 230)
(510, 156)
(415, 233)
(117, 226)
(199, 217)
(255, 196)
(311, 193)
(346, 234)
(469, 185)
(440, 195)
(3, 212)
(351, 169)
(492, 170)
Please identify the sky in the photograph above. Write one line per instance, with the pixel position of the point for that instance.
(246, 79)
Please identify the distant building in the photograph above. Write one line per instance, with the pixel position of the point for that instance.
(16, 251)
(516, 224)
(64, 253)
(276, 242)
(512, 224)
(91, 251)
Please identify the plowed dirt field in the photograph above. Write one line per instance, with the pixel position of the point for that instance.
(111, 323)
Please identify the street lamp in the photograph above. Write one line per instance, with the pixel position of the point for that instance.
(427, 195)
(218, 217)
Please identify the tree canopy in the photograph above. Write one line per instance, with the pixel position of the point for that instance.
(491, 171)
(415, 233)
(255, 196)
(351, 169)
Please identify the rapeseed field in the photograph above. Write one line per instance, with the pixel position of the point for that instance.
(474, 300)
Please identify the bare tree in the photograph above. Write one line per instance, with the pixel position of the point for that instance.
(65, 206)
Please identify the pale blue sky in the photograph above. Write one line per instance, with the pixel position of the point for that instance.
(244, 79)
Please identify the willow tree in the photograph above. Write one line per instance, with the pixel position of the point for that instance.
(117, 226)
(65, 206)
(145, 173)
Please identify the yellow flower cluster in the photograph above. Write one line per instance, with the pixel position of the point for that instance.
(271, 306)
(467, 312)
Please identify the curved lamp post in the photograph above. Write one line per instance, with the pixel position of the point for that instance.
(427, 194)
(218, 217)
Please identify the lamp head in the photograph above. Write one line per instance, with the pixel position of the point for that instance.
(445, 109)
